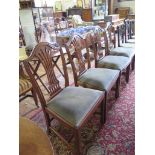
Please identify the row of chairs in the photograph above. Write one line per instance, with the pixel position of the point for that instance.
(73, 106)
(126, 31)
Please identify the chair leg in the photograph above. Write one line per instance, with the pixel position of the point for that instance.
(35, 97)
(47, 120)
(77, 142)
(127, 73)
(117, 86)
(133, 63)
(103, 110)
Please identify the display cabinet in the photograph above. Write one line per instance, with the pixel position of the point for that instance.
(99, 9)
(21, 35)
(28, 27)
(43, 19)
(37, 25)
(75, 11)
(25, 4)
(60, 14)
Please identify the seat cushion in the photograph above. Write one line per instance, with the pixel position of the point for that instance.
(113, 62)
(123, 51)
(24, 85)
(99, 78)
(128, 45)
(73, 104)
(131, 41)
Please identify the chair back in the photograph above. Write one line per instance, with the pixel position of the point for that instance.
(127, 29)
(110, 30)
(45, 52)
(76, 49)
(100, 40)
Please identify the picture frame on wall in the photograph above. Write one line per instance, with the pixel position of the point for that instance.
(58, 6)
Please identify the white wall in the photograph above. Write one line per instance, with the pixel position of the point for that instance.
(130, 4)
(65, 3)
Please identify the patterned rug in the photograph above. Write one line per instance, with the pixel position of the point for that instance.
(116, 137)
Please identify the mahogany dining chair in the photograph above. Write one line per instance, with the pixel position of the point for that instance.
(105, 60)
(121, 51)
(102, 79)
(71, 106)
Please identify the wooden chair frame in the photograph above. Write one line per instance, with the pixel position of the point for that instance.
(78, 43)
(107, 38)
(44, 52)
(110, 30)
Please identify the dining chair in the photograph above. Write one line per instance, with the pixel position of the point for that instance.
(125, 32)
(102, 79)
(127, 29)
(71, 106)
(121, 51)
(25, 86)
(130, 28)
(105, 60)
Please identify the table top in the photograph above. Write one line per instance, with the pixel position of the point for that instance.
(32, 139)
(65, 35)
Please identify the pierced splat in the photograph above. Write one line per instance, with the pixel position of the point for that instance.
(42, 52)
(78, 43)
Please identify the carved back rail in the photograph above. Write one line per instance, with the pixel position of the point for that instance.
(75, 47)
(44, 52)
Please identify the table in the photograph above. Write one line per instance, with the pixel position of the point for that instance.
(32, 139)
(64, 36)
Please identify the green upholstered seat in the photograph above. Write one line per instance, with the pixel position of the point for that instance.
(24, 85)
(132, 41)
(113, 62)
(123, 51)
(128, 45)
(73, 103)
(98, 78)
(133, 37)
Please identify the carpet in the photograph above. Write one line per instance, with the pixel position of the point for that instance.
(116, 137)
